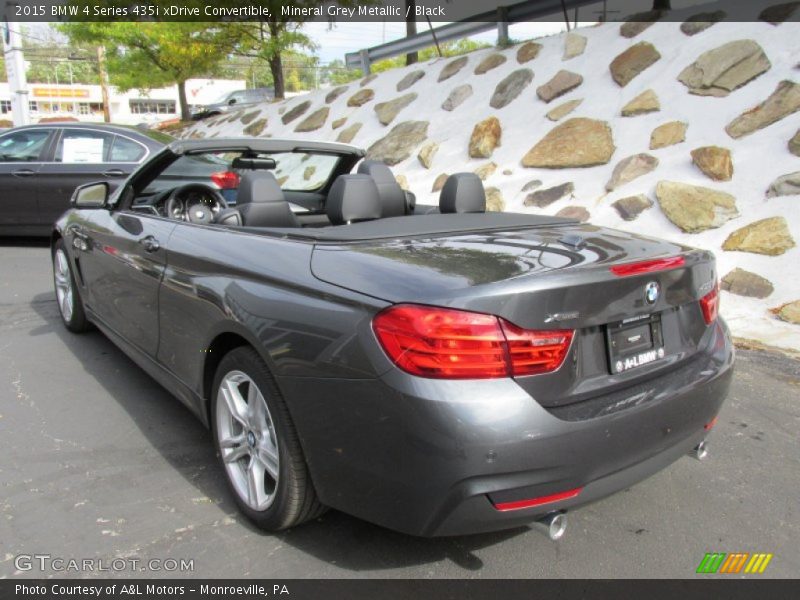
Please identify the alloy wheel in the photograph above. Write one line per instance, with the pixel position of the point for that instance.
(247, 440)
(64, 293)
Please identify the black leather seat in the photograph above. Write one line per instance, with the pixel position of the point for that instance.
(259, 203)
(462, 193)
(353, 198)
(391, 195)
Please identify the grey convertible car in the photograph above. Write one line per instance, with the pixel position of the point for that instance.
(437, 370)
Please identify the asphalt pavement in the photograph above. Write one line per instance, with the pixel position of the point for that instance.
(98, 462)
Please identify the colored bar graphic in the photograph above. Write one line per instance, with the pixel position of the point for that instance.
(724, 563)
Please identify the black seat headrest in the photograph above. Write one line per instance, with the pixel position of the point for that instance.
(462, 193)
(259, 186)
(392, 196)
(353, 198)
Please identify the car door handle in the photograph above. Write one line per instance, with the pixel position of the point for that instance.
(23, 173)
(150, 243)
(114, 173)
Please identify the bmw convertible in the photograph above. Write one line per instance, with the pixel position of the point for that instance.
(437, 370)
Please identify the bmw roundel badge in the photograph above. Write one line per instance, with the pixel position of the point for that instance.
(651, 291)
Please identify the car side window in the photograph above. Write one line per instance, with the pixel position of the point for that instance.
(126, 150)
(23, 146)
(83, 146)
(238, 98)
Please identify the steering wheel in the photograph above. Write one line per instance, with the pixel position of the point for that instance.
(195, 203)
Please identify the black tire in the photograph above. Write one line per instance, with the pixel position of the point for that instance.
(75, 319)
(294, 499)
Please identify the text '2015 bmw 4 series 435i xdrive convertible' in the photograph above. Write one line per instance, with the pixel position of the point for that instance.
(438, 370)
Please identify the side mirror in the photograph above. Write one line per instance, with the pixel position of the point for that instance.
(91, 195)
(232, 101)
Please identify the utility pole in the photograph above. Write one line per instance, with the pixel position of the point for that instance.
(15, 69)
(101, 68)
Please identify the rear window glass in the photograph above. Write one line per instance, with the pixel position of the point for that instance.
(126, 150)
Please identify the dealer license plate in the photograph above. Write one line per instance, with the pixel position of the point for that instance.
(634, 343)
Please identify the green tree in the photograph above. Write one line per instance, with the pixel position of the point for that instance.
(153, 54)
(336, 73)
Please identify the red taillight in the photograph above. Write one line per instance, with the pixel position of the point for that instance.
(647, 266)
(444, 343)
(531, 502)
(533, 352)
(710, 305)
(226, 180)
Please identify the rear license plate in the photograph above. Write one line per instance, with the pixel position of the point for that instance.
(634, 343)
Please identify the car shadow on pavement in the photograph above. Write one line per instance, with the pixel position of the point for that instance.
(171, 429)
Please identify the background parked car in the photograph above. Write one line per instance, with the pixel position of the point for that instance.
(232, 101)
(41, 165)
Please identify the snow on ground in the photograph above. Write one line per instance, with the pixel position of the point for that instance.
(758, 158)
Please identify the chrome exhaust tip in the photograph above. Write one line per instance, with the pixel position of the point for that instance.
(556, 524)
(700, 452)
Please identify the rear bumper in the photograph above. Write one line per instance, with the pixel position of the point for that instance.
(432, 458)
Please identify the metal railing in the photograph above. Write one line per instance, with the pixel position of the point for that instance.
(498, 18)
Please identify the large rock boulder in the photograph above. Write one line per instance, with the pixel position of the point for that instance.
(630, 168)
(439, 182)
(720, 71)
(668, 134)
(247, 118)
(336, 123)
(578, 142)
(784, 101)
(561, 83)
(715, 162)
(511, 87)
(399, 143)
(778, 13)
(490, 62)
(636, 24)
(562, 110)
(644, 103)
(794, 144)
(786, 185)
(634, 60)
(314, 121)
(426, 154)
(335, 93)
(453, 67)
(457, 96)
(347, 134)
(485, 138)
(574, 45)
(768, 236)
(494, 200)
(295, 112)
(486, 170)
(702, 21)
(694, 208)
(544, 198)
(410, 79)
(361, 97)
(745, 283)
(255, 128)
(789, 312)
(387, 111)
(631, 207)
(528, 51)
(578, 213)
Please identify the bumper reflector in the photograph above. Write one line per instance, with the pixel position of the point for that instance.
(710, 424)
(531, 502)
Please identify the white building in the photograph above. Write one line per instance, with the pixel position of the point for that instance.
(85, 102)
